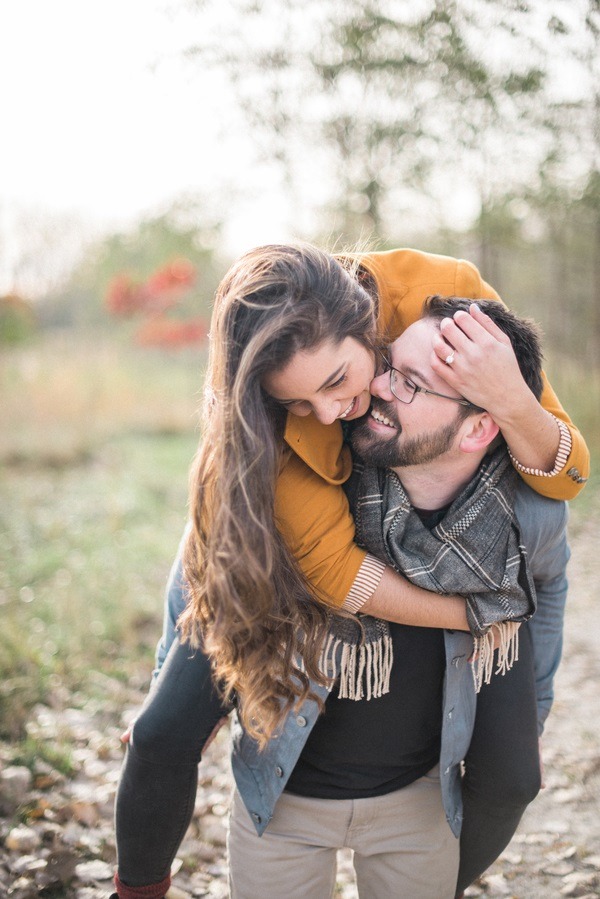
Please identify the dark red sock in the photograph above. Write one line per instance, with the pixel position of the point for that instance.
(152, 891)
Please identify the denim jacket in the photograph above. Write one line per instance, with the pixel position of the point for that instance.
(261, 776)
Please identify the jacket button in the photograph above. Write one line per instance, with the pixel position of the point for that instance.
(279, 771)
(256, 818)
(301, 721)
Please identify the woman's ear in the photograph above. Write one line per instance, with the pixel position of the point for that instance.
(480, 431)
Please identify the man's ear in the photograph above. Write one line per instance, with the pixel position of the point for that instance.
(478, 432)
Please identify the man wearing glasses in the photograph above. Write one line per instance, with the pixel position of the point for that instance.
(433, 493)
(427, 462)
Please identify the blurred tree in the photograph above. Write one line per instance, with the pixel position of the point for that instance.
(387, 102)
(564, 198)
(38, 248)
(186, 230)
(17, 319)
(401, 118)
(165, 290)
(590, 197)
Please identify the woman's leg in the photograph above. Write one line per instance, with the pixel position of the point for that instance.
(156, 794)
(502, 766)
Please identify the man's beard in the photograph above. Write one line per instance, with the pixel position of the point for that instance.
(390, 453)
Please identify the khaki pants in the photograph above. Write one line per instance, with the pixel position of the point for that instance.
(403, 847)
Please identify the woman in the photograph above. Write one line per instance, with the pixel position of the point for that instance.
(258, 609)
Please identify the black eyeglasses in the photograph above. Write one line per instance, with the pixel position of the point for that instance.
(405, 390)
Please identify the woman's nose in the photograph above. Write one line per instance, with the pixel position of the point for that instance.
(326, 411)
(380, 386)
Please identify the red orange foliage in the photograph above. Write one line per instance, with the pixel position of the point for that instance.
(170, 333)
(152, 298)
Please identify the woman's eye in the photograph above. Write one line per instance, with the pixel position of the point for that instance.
(337, 383)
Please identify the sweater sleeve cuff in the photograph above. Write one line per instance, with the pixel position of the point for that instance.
(564, 449)
(365, 583)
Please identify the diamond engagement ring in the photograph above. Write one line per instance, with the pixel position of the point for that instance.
(450, 358)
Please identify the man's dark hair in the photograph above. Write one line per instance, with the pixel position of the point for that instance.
(523, 333)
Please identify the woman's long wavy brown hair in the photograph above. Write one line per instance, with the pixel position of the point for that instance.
(250, 605)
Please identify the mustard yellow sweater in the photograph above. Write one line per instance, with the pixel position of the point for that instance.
(311, 506)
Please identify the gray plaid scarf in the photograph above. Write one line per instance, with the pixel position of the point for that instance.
(474, 551)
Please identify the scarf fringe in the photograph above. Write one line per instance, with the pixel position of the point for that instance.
(364, 669)
(483, 656)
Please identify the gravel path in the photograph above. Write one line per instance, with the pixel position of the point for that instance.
(56, 836)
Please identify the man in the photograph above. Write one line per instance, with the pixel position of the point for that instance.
(348, 776)
(437, 447)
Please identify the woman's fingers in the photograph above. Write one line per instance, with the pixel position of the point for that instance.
(476, 358)
(477, 315)
(460, 334)
(471, 330)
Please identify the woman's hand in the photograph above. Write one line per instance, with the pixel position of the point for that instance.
(476, 358)
(542, 769)
(126, 735)
(484, 368)
(215, 731)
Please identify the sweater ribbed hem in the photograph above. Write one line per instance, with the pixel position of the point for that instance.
(366, 582)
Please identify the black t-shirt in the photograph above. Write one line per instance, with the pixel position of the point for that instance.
(361, 748)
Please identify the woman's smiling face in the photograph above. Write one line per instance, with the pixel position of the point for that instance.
(331, 381)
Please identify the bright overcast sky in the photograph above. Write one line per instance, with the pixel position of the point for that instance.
(102, 119)
(100, 116)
